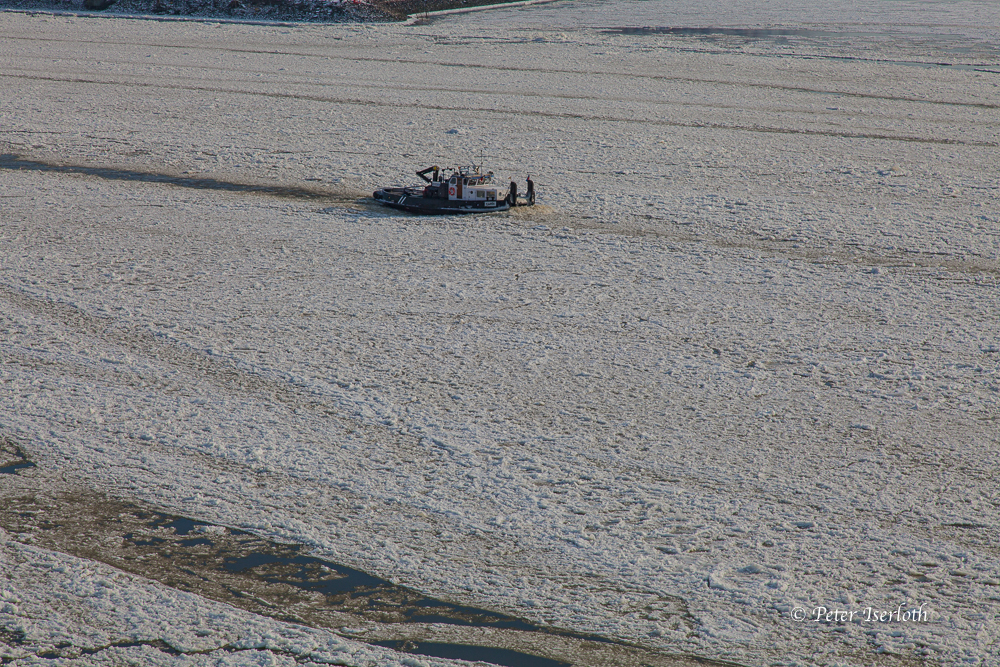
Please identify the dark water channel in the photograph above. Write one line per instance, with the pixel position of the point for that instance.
(498, 656)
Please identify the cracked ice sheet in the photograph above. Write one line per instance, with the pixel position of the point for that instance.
(586, 464)
(57, 609)
(790, 401)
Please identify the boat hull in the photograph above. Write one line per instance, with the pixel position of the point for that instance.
(414, 202)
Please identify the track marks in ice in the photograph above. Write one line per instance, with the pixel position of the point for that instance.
(615, 75)
(619, 75)
(326, 195)
(520, 113)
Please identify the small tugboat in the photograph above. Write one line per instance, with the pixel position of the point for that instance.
(466, 190)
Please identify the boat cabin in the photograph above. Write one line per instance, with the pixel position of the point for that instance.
(473, 187)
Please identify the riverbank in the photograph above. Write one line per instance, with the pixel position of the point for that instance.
(311, 11)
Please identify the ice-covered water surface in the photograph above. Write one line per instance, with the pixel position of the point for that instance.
(939, 17)
(743, 361)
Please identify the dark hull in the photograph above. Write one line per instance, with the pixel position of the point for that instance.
(407, 200)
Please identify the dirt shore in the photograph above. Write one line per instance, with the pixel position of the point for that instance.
(318, 11)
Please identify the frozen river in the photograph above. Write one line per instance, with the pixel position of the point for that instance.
(731, 391)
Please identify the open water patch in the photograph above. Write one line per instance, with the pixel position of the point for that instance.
(238, 565)
(286, 582)
(12, 458)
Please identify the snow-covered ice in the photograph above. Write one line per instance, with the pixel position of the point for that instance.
(741, 361)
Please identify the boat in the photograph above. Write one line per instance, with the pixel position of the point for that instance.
(465, 190)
